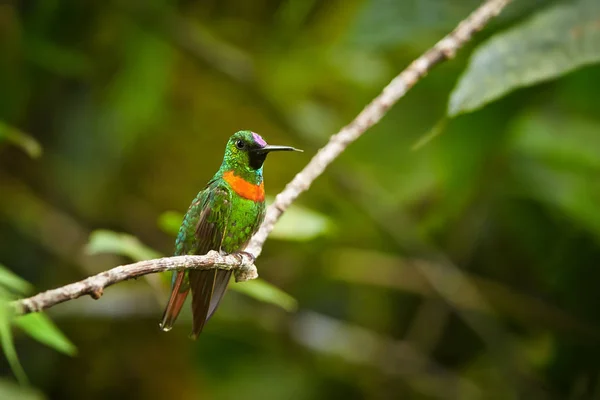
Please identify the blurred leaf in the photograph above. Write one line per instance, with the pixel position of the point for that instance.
(292, 14)
(36, 325)
(574, 194)
(300, 224)
(538, 349)
(483, 371)
(42, 329)
(6, 339)
(13, 282)
(388, 23)
(556, 139)
(385, 23)
(546, 46)
(104, 241)
(12, 390)
(264, 291)
(169, 222)
(57, 59)
(558, 163)
(20, 139)
(146, 69)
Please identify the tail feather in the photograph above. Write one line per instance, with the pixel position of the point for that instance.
(179, 293)
(208, 288)
(202, 284)
(221, 282)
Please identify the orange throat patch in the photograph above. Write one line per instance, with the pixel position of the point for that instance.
(244, 188)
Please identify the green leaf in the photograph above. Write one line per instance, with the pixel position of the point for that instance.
(11, 390)
(42, 329)
(565, 141)
(20, 139)
(7, 342)
(169, 222)
(556, 161)
(13, 282)
(300, 224)
(550, 44)
(387, 23)
(55, 58)
(264, 291)
(36, 325)
(105, 241)
(575, 195)
(382, 24)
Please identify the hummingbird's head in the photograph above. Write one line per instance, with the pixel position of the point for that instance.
(248, 150)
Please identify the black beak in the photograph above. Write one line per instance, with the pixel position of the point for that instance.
(269, 148)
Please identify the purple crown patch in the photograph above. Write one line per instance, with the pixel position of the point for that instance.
(261, 142)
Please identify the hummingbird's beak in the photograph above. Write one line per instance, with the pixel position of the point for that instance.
(269, 148)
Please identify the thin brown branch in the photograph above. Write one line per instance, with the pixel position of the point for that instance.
(242, 263)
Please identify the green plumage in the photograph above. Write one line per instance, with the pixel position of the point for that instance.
(222, 217)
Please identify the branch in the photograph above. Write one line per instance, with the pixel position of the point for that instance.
(242, 263)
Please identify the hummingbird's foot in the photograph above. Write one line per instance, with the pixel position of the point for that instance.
(245, 272)
(247, 254)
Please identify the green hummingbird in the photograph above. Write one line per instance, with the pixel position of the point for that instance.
(222, 217)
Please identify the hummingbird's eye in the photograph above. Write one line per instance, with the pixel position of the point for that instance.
(240, 144)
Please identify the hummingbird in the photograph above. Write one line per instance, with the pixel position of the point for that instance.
(222, 217)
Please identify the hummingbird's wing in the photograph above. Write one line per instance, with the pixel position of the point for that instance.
(185, 244)
(208, 286)
(201, 231)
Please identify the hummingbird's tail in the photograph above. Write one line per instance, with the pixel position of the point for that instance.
(208, 288)
(179, 292)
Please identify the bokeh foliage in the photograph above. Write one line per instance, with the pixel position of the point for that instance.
(452, 252)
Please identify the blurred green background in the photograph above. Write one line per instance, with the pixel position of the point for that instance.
(451, 252)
